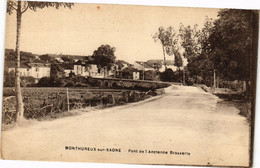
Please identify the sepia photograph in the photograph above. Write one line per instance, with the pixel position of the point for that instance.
(129, 84)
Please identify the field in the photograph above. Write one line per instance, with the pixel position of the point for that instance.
(40, 102)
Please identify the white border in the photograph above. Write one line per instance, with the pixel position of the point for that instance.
(244, 4)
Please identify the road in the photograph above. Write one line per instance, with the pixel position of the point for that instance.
(185, 119)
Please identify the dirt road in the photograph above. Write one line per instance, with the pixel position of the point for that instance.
(184, 126)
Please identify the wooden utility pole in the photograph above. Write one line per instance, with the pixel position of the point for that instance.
(183, 75)
(214, 78)
(143, 70)
(68, 100)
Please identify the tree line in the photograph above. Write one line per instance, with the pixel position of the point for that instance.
(223, 45)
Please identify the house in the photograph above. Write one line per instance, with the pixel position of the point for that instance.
(89, 69)
(35, 70)
(159, 64)
(121, 64)
(39, 70)
(143, 66)
(79, 68)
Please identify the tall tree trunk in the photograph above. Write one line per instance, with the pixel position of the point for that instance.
(164, 59)
(19, 99)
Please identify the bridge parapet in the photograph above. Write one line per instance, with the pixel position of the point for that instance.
(128, 83)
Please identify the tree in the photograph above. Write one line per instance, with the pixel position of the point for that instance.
(190, 41)
(26, 56)
(231, 44)
(47, 58)
(104, 57)
(9, 79)
(168, 39)
(21, 7)
(57, 71)
(197, 51)
(127, 73)
(167, 75)
(178, 62)
(67, 59)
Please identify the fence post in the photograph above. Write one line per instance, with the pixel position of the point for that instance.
(113, 98)
(68, 100)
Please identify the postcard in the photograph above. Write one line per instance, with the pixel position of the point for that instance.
(129, 84)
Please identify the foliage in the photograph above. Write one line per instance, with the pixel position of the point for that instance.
(45, 82)
(57, 71)
(168, 39)
(9, 79)
(27, 81)
(104, 56)
(10, 56)
(27, 56)
(190, 41)
(127, 73)
(50, 82)
(231, 43)
(178, 59)
(33, 5)
(47, 58)
(197, 51)
(167, 75)
(151, 75)
(66, 59)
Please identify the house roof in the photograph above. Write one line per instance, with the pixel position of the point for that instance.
(145, 64)
(67, 66)
(160, 62)
(79, 57)
(9, 64)
(39, 64)
(79, 62)
(122, 61)
(38, 61)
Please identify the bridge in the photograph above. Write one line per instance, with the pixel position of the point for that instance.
(127, 83)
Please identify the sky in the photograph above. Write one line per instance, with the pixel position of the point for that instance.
(82, 29)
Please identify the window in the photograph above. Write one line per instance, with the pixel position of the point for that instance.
(37, 69)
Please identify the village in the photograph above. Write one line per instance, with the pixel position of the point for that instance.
(145, 85)
(36, 67)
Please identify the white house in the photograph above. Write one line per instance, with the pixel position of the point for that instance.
(39, 70)
(79, 68)
(35, 70)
